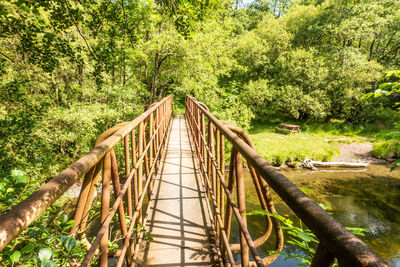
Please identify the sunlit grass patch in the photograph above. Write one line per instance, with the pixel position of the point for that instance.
(387, 145)
(278, 148)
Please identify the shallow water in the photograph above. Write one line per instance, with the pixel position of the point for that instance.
(368, 198)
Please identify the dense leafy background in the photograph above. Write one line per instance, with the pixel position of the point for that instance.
(70, 69)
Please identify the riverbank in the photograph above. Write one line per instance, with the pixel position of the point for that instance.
(324, 142)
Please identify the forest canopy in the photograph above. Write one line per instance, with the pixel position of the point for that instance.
(71, 69)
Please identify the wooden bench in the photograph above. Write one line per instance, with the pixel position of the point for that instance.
(288, 128)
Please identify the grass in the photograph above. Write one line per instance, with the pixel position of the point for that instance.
(278, 148)
(387, 145)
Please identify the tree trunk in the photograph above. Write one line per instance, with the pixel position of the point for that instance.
(371, 49)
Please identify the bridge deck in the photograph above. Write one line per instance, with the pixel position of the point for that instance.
(177, 216)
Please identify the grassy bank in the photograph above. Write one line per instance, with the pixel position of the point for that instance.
(313, 142)
(387, 145)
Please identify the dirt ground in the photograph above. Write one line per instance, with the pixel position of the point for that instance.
(357, 152)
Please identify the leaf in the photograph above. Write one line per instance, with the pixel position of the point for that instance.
(396, 165)
(305, 236)
(306, 190)
(28, 248)
(68, 225)
(17, 173)
(19, 176)
(25, 8)
(10, 189)
(64, 218)
(48, 263)
(358, 231)
(45, 254)
(68, 242)
(15, 256)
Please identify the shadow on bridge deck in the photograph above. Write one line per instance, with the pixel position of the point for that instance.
(177, 216)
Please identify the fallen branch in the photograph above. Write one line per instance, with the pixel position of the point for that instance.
(339, 164)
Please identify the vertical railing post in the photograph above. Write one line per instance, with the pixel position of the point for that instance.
(209, 159)
(140, 167)
(244, 249)
(105, 206)
(127, 172)
(146, 160)
(117, 190)
(135, 180)
(153, 148)
(222, 168)
(83, 198)
(218, 184)
(231, 186)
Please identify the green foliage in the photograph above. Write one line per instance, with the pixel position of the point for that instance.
(318, 60)
(301, 237)
(14, 188)
(387, 144)
(45, 242)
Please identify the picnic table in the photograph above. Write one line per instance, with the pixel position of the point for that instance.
(291, 128)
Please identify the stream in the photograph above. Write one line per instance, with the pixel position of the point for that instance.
(367, 198)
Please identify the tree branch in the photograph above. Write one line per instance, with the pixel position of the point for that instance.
(1, 53)
(79, 31)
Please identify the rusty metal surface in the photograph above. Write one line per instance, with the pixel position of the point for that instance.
(21, 216)
(338, 241)
(210, 158)
(135, 173)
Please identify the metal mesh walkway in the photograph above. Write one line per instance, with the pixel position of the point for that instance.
(177, 217)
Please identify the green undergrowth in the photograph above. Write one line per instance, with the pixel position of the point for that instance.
(387, 144)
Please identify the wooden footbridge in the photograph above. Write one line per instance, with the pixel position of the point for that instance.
(163, 179)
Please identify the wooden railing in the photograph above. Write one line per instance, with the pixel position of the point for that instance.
(208, 135)
(143, 142)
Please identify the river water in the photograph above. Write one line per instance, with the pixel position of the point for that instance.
(367, 198)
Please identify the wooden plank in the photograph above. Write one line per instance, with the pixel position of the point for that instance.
(289, 125)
